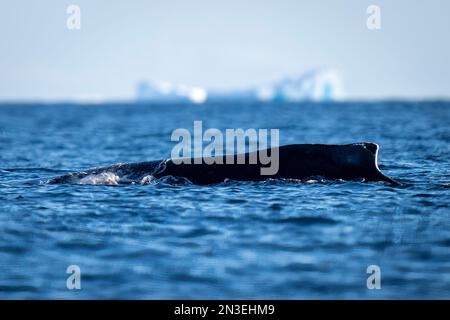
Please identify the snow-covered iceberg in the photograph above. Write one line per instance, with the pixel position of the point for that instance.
(317, 85)
(160, 91)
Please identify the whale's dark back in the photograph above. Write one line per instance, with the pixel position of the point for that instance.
(299, 161)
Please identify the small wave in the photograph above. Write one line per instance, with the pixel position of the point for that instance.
(111, 178)
(172, 180)
(32, 169)
(308, 221)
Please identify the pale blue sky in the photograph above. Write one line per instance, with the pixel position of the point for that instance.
(221, 44)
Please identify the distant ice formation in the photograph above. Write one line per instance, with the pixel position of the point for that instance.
(160, 91)
(317, 85)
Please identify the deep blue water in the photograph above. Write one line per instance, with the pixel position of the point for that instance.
(275, 239)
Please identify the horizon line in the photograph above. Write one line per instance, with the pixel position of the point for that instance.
(135, 101)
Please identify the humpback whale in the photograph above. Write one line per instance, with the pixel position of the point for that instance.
(357, 161)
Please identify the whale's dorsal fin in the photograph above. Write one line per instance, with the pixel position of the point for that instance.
(374, 148)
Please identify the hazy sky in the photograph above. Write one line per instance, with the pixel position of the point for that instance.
(221, 44)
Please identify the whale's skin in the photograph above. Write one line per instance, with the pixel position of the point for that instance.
(299, 161)
(132, 172)
(357, 161)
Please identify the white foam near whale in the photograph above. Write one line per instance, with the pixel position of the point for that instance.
(103, 178)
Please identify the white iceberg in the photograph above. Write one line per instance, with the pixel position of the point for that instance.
(319, 85)
(161, 91)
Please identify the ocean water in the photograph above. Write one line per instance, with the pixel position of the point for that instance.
(274, 239)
